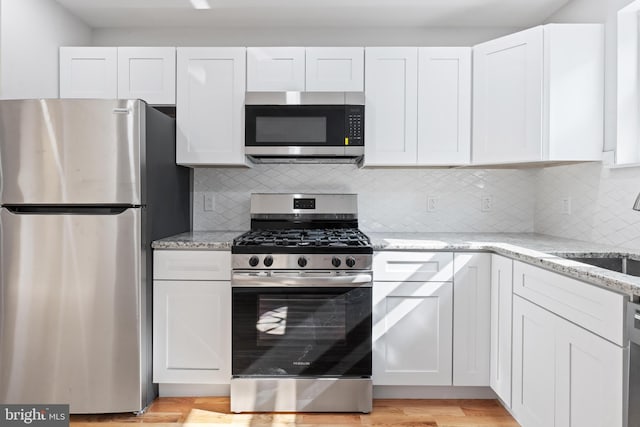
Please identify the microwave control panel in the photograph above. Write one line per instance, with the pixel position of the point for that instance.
(355, 125)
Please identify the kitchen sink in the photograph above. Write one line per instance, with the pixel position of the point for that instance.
(620, 263)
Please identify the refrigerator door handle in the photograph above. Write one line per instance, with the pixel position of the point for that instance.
(68, 210)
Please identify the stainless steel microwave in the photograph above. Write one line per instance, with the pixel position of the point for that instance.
(304, 132)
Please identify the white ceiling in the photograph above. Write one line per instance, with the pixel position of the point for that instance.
(316, 13)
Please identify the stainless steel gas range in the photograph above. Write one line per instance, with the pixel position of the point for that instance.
(301, 307)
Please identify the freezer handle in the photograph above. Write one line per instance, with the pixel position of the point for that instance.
(66, 210)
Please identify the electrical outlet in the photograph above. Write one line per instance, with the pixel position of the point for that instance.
(432, 204)
(209, 202)
(566, 205)
(486, 203)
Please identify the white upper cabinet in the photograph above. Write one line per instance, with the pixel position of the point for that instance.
(89, 72)
(147, 73)
(391, 106)
(312, 69)
(210, 106)
(418, 106)
(334, 69)
(539, 95)
(275, 69)
(444, 106)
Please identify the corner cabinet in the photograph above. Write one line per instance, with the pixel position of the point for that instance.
(412, 318)
(192, 317)
(568, 354)
(147, 73)
(210, 106)
(418, 106)
(538, 95)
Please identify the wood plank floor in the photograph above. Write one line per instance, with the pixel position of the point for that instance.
(214, 411)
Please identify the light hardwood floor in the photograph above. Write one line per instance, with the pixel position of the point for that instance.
(214, 411)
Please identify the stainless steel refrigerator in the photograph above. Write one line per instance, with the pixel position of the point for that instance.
(85, 186)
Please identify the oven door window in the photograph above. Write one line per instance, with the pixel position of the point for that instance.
(302, 319)
(301, 331)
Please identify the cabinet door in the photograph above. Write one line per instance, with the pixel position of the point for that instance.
(147, 73)
(534, 365)
(444, 105)
(192, 332)
(275, 69)
(412, 333)
(507, 98)
(391, 100)
(501, 318)
(590, 380)
(89, 72)
(334, 69)
(210, 106)
(471, 319)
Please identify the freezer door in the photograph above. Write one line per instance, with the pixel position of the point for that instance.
(71, 151)
(71, 299)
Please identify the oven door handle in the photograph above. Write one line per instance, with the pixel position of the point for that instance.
(347, 281)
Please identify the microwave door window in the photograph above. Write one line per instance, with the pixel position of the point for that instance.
(291, 130)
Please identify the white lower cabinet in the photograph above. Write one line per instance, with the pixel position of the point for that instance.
(191, 318)
(471, 319)
(563, 375)
(501, 327)
(192, 332)
(412, 333)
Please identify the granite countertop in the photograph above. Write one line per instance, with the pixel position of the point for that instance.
(536, 249)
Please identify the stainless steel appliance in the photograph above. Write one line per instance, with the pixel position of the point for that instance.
(301, 307)
(304, 133)
(633, 328)
(86, 186)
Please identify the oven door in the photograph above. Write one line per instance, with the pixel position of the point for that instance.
(293, 325)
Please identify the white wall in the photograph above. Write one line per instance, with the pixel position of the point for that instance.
(287, 36)
(30, 33)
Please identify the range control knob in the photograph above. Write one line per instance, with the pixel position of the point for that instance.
(302, 261)
(336, 261)
(351, 261)
(268, 261)
(253, 261)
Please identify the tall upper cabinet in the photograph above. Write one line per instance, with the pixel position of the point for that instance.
(210, 106)
(146, 73)
(538, 95)
(418, 106)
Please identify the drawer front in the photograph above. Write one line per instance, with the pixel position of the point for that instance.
(191, 265)
(413, 266)
(595, 309)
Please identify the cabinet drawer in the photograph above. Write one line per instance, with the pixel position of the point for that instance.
(413, 266)
(191, 265)
(595, 309)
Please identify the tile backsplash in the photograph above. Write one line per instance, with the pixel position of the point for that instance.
(600, 202)
(465, 200)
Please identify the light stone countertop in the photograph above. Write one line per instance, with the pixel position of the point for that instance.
(535, 249)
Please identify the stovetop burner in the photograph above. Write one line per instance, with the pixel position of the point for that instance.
(302, 241)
